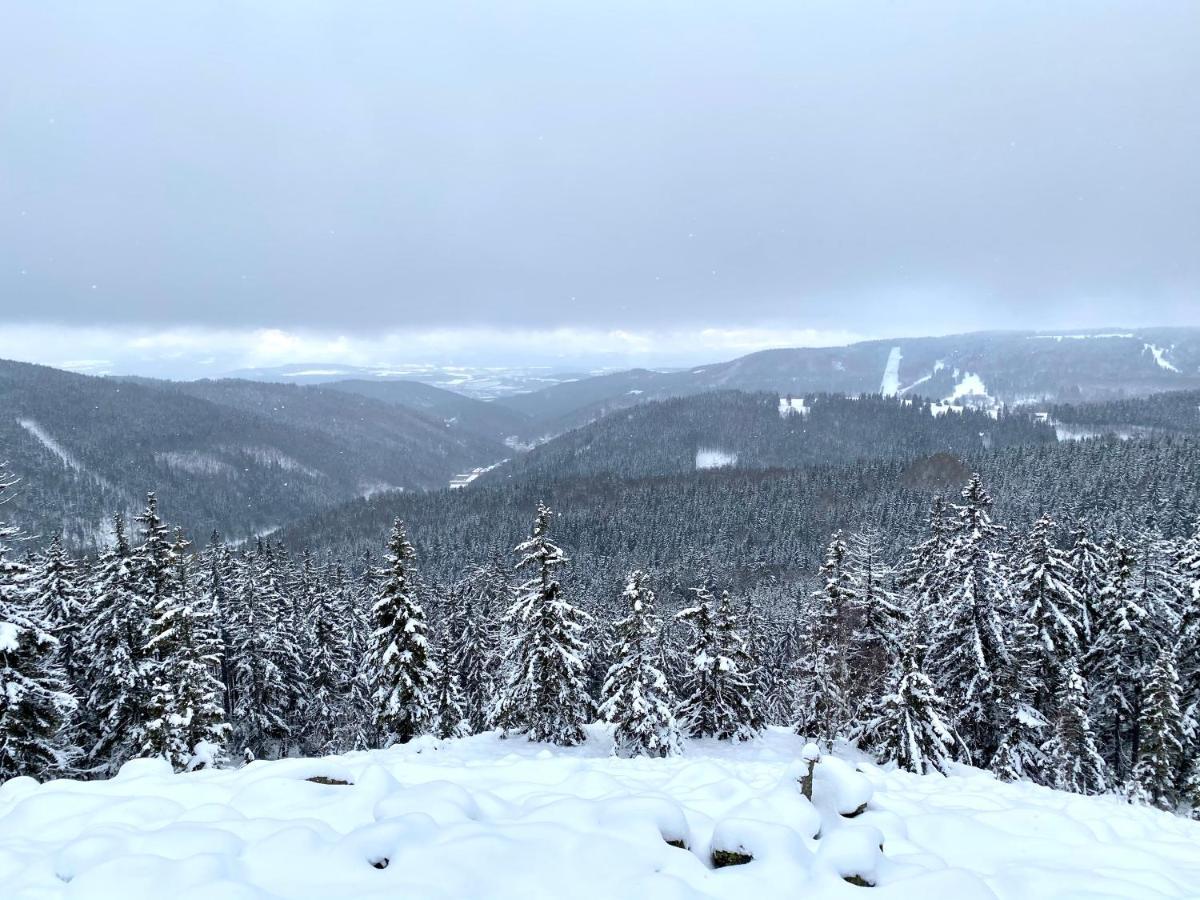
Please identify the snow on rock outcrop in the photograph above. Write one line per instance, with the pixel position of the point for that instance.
(710, 458)
(488, 818)
(890, 386)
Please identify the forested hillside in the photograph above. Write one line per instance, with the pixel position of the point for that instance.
(460, 413)
(240, 456)
(764, 431)
(1174, 412)
(770, 524)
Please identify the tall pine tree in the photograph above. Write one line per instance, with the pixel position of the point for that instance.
(186, 724)
(402, 668)
(545, 695)
(35, 704)
(636, 699)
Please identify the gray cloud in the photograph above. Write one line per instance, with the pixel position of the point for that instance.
(860, 166)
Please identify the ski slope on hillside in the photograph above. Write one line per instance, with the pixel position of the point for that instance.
(483, 817)
(890, 385)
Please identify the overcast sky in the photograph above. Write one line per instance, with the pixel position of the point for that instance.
(390, 175)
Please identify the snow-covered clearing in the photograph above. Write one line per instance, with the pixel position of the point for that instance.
(194, 462)
(890, 385)
(47, 441)
(970, 385)
(462, 480)
(367, 490)
(1160, 357)
(487, 818)
(793, 406)
(710, 458)
(272, 456)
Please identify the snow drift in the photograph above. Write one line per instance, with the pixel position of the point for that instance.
(483, 817)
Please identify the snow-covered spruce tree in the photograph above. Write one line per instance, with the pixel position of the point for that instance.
(825, 687)
(449, 717)
(545, 695)
(1072, 757)
(636, 699)
(779, 697)
(467, 648)
(1160, 762)
(115, 634)
(756, 643)
(968, 652)
(401, 667)
(327, 667)
(35, 704)
(355, 721)
(1021, 727)
(186, 724)
(877, 618)
(672, 658)
(1048, 604)
(716, 697)
(1089, 565)
(912, 727)
(601, 649)
(1188, 659)
(261, 692)
(1158, 584)
(739, 667)
(55, 593)
(287, 597)
(1118, 661)
(152, 559)
(880, 621)
(213, 579)
(922, 577)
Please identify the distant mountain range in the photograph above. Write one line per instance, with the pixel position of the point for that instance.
(248, 455)
(481, 382)
(987, 368)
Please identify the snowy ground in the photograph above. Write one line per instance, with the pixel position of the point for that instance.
(486, 818)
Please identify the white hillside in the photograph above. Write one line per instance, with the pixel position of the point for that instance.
(483, 817)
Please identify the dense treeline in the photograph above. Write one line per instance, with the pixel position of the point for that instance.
(664, 437)
(767, 526)
(1069, 658)
(1174, 411)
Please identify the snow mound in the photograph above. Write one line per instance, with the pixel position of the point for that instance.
(484, 817)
